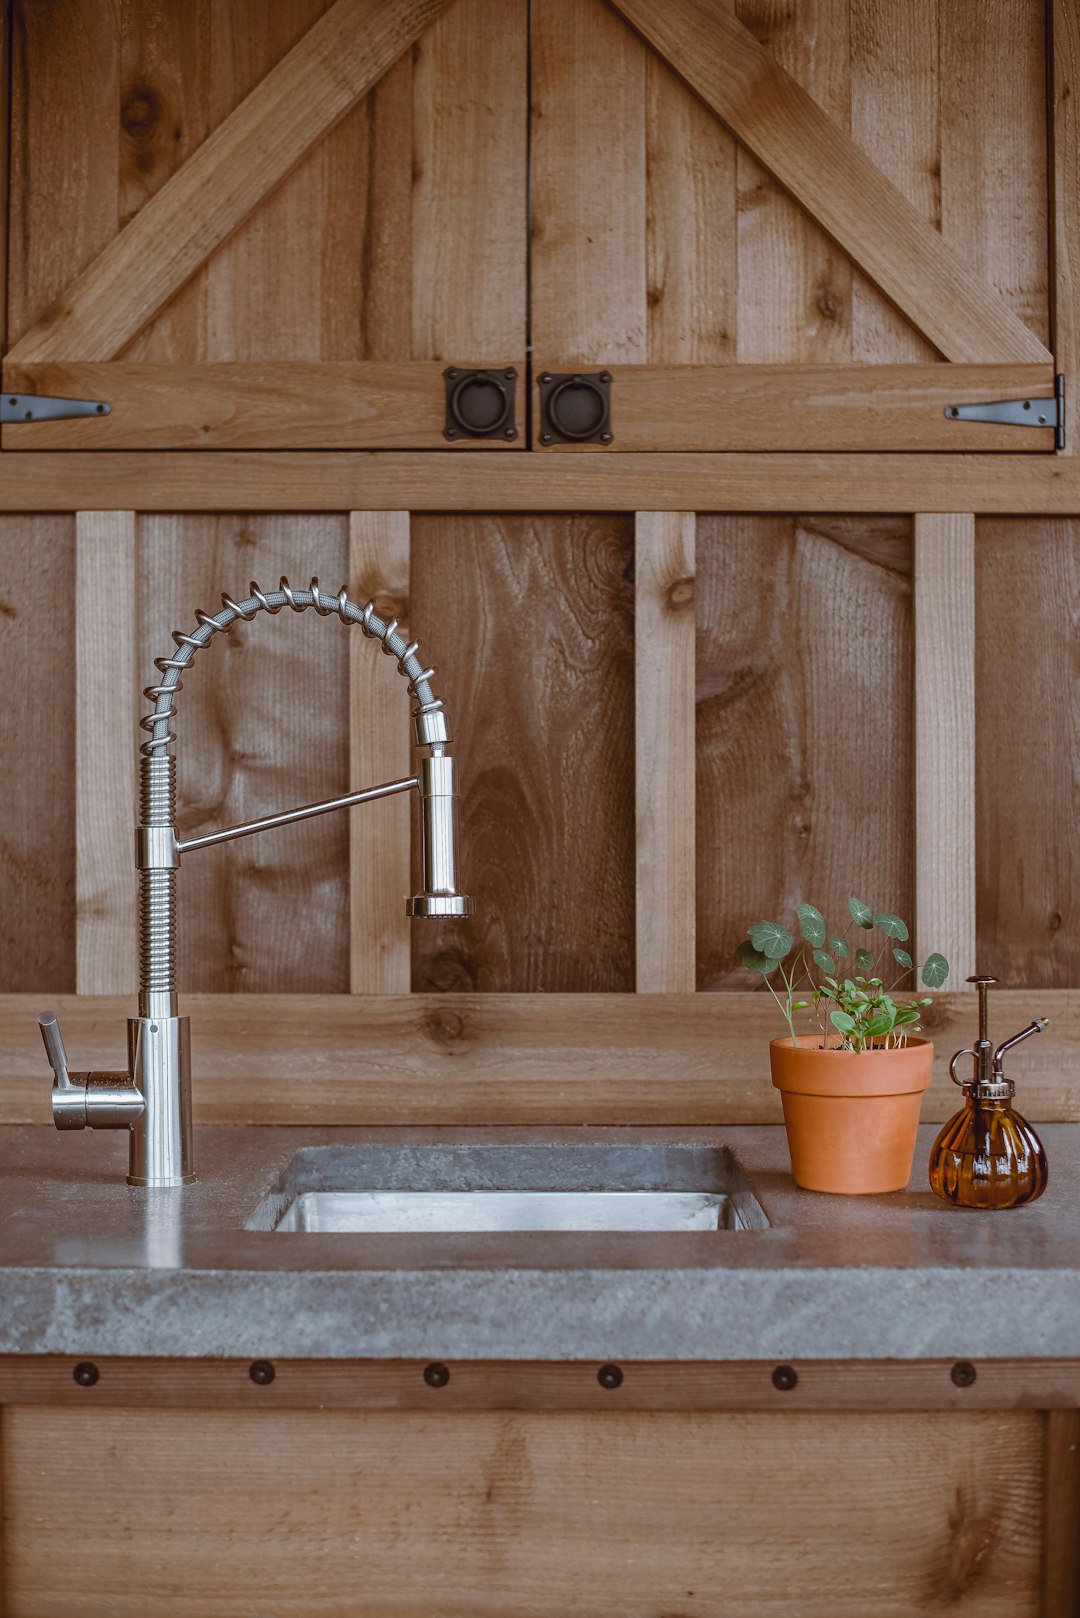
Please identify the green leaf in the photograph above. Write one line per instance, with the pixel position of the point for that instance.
(841, 1020)
(877, 1027)
(935, 971)
(861, 913)
(839, 948)
(754, 961)
(771, 939)
(864, 960)
(800, 1005)
(904, 1018)
(824, 960)
(812, 923)
(892, 926)
(902, 958)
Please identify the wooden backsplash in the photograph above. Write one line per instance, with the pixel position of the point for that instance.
(805, 742)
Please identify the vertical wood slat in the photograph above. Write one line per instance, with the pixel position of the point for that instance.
(664, 721)
(992, 73)
(1061, 1515)
(106, 717)
(1065, 183)
(895, 118)
(3, 1519)
(469, 89)
(589, 297)
(379, 859)
(944, 567)
(795, 284)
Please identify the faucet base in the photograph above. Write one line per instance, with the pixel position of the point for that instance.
(160, 1154)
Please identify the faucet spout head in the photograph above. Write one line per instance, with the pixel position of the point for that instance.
(432, 906)
(438, 839)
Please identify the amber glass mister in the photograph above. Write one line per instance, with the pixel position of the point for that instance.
(987, 1156)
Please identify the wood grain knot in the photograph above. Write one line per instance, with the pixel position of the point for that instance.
(680, 595)
(827, 303)
(444, 1028)
(141, 113)
(972, 1535)
(388, 603)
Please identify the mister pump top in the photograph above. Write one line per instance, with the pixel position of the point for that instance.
(987, 1156)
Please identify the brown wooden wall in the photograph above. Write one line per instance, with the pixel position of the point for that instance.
(805, 742)
(827, 675)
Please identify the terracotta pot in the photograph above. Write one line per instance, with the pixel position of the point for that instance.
(851, 1116)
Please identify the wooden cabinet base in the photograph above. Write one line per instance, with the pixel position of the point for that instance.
(538, 1489)
(374, 1513)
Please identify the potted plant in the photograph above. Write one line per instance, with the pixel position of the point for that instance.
(852, 1083)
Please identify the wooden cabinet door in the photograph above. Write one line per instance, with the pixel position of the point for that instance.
(809, 226)
(250, 227)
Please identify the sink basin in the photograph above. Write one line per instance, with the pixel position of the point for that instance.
(443, 1189)
(508, 1210)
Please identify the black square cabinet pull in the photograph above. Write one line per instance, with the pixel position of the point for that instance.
(479, 404)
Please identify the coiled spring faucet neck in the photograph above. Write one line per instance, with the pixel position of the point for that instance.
(429, 717)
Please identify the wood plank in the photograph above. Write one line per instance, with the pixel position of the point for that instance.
(262, 725)
(6, 75)
(993, 120)
(944, 560)
(283, 285)
(37, 845)
(470, 91)
(805, 407)
(531, 623)
(1027, 581)
(691, 233)
(672, 1385)
(794, 283)
(165, 50)
(485, 1513)
(65, 96)
(837, 183)
(335, 63)
(588, 215)
(293, 404)
(379, 735)
(664, 564)
(399, 480)
(106, 750)
(1065, 203)
(477, 1059)
(800, 620)
(1061, 1516)
(895, 118)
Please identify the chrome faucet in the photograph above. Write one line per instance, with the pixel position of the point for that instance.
(153, 1098)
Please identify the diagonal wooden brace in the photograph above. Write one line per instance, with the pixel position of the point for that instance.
(926, 278)
(294, 106)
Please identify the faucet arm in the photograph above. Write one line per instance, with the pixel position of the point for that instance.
(268, 822)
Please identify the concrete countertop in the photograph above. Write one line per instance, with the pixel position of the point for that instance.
(90, 1266)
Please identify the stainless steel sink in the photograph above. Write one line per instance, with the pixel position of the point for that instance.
(440, 1190)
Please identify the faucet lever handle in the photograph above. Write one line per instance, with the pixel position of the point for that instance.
(68, 1096)
(54, 1048)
